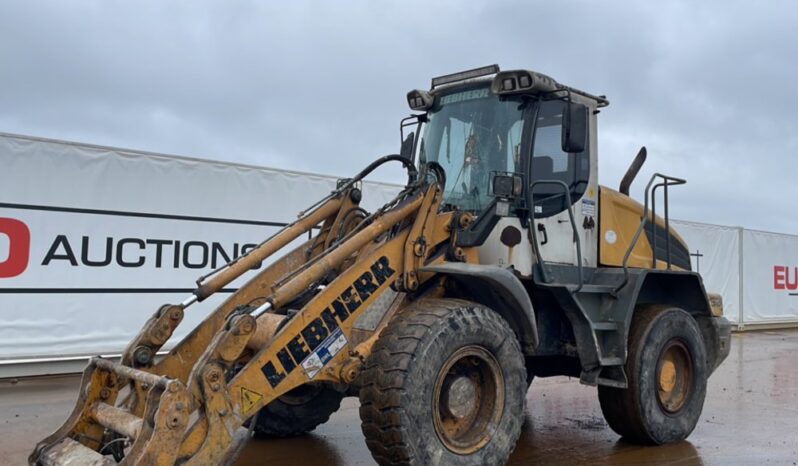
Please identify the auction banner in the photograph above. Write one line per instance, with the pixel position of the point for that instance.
(715, 254)
(770, 278)
(93, 240)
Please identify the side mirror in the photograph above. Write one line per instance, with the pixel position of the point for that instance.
(574, 128)
(406, 150)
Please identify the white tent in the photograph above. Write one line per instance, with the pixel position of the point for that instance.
(94, 239)
(756, 272)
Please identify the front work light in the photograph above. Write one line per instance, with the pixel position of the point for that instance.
(420, 100)
(507, 185)
(522, 82)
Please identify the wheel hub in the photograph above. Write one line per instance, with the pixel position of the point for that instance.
(462, 397)
(674, 376)
(468, 399)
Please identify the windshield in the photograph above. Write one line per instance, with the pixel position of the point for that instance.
(472, 134)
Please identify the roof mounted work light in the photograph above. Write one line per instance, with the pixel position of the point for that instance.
(420, 100)
(522, 82)
(463, 75)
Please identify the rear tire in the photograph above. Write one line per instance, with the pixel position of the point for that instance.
(445, 385)
(667, 371)
(297, 412)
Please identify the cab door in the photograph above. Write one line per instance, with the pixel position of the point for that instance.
(548, 202)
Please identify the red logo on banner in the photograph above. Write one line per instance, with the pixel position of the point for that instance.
(785, 278)
(18, 247)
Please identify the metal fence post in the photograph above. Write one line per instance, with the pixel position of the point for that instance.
(741, 280)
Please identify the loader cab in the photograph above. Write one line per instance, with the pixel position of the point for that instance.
(473, 135)
(490, 132)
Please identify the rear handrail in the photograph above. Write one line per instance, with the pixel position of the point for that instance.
(532, 229)
(651, 193)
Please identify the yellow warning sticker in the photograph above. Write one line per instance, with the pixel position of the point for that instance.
(249, 399)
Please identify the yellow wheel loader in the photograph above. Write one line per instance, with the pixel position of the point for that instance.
(501, 260)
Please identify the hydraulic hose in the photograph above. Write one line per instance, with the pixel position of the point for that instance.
(412, 173)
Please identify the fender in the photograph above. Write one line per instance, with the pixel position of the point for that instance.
(685, 290)
(677, 288)
(499, 289)
(602, 351)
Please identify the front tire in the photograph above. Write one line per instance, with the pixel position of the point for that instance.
(297, 412)
(667, 371)
(445, 385)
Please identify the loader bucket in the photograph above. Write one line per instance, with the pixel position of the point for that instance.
(83, 440)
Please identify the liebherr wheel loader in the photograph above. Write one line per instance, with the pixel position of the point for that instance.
(501, 260)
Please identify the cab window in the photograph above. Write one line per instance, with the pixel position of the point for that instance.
(549, 162)
(473, 134)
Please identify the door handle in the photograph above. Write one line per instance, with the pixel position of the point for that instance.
(542, 229)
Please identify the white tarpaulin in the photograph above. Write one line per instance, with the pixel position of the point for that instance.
(770, 277)
(93, 240)
(715, 254)
(756, 272)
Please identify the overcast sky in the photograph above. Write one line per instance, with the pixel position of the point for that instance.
(709, 87)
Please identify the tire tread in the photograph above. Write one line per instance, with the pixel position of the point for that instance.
(385, 422)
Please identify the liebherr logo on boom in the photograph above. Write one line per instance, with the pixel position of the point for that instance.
(323, 333)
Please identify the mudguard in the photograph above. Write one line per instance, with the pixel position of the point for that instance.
(499, 289)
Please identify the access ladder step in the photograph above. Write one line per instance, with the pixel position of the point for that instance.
(611, 361)
(605, 326)
(598, 289)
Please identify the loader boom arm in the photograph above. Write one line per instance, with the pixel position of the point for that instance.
(201, 394)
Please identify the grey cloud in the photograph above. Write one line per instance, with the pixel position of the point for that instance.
(709, 87)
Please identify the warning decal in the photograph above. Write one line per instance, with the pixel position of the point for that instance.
(588, 208)
(324, 353)
(249, 399)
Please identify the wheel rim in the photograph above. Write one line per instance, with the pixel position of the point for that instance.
(674, 376)
(468, 399)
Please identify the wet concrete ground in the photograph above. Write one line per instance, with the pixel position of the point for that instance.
(750, 418)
